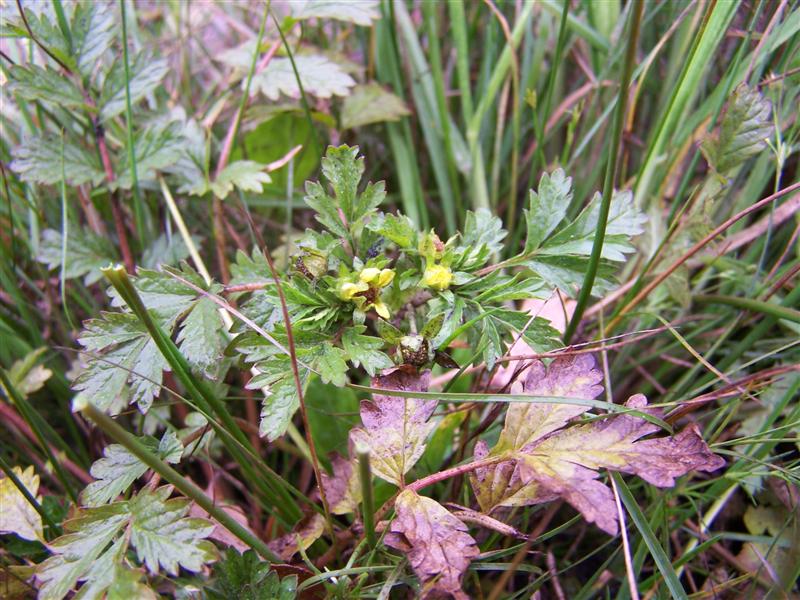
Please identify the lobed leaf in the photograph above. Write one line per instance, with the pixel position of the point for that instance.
(118, 469)
(743, 131)
(437, 544)
(395, 428)
(246, 577)
(318, 75)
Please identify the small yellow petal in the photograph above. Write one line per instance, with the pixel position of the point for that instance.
(386, 277)
(348, 290)
(369, 274)
(381, 309)
(437, 277)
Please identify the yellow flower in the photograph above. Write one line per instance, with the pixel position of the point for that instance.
(437, 277)
(377, 277)
(348, 291)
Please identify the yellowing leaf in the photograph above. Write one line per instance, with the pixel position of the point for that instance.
(569, 377)
(566, 463)
(16, 513)
(437, 544)
(395, 428)
(305, 533)
(371, 103)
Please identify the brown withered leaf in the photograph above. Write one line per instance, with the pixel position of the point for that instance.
(573, 376)
(566, 462)
(305, 533)
(437, 544)
(343, 487)
(395, 428)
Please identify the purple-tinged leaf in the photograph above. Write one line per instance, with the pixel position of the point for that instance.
(343, 487)
(569, 377)
(437, 544)
(305, 533)
(395, 428)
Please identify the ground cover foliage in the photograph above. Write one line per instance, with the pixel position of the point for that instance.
(388, 299)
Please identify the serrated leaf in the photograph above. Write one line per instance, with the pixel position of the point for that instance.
(743, 131)
(33, 82)
(395, 228)
(168, 298)
(86, 254)
(130, 372)
(325, 208)
(566, 462)
(162, 535)
(436, 543)
(395, 429)
(319, 76)
(127, 584)
(482, 236)
(166, 250)
(146, 74)
(38, 160)
(201, 338)
(118, 469)
(567, 273)
(93, 30)
(577, 238)
(155, 526)
(278, 408)
(17, 515)
(363, 12)
(332, 366)
(84, 544)
(547, 207)
(575, 376)
(247, 175)
(370, 103)
(156, 148)
(246, 577)
(364, 350)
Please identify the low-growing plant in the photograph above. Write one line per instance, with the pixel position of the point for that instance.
(402, 388)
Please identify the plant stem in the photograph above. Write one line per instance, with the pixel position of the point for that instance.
(611, 171)
(781, 312)
(368, 502)
(186, 487)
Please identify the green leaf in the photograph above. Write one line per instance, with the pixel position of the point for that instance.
(155, 148)
(370, 103)
(395, 228)
(38, 160)
(118, 469)
(343, 168)
(388, 332)
(84, 544)
(247, 175)
(332, 366)
(547, 208)
(320, 76)
(201, 338)
(482, 236)
(33, 82)
(162, 535)
(246, 269)
(155, 526)
(129, 370)
(146, 74)
(166, 250)
(432, 327)
(743, 130)
(364, 350)
(577, 238)
(278, 409)
(246, 577)
(86, 254)
(93, 30)
(363, 12)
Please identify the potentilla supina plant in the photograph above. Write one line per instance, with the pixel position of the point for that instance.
(364, 289)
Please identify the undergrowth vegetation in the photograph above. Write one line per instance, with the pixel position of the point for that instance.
(389, 299)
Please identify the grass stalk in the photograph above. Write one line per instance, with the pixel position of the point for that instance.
(367, 500)
(611, 171)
